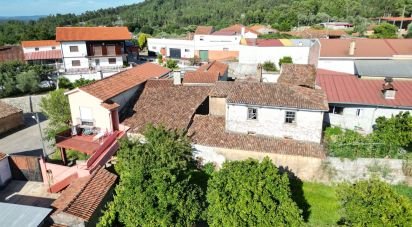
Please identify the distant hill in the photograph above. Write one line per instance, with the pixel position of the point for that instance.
(22, 18)
(182, 16)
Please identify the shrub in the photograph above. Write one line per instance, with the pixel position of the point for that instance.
(373, 203)
(385, 31)
(27, 82)
(269, 66)
(65, 83)
(171, 64)
(285, 59)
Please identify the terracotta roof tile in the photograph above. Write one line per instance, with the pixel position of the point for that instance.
(11, 53)
(163, 103)
(208, 73)
(2, 155)
(298, 74)
(373, 48)
(264, 42)
(204, 30)
(39, 55)
(348, 88)
(112, 86)
(315, 33)
(210, 131)
(222, 89)
(7, 110)
(40, 43)
(277, 94)
(84, 195)
(235, 29)
(92, 33)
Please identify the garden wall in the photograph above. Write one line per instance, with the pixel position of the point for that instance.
(327, 170)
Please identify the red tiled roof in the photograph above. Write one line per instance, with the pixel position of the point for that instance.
(92, 33)
(208, 73)
(110, 105)
(163, 103)
(347, 88)
(7, 110)
(315, 33)
(279, 95)
(204, 30)
(210, 131)
(298, 74)
(264, 42)
(83, 197)
(112, 86)
(40, 55)
(365, 47)
(397, 18)
(234, 29)
(11, 53)
(39, 43)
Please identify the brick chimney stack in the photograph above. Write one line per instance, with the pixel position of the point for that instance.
(388, 90)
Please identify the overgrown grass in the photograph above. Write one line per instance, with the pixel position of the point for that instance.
(324, 205)
(404, 190)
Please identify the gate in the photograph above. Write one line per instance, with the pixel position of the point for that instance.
(25, 168)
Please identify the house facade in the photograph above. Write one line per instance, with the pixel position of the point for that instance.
(206, 43)
(89, 50)
(356, 103)
(45, 52)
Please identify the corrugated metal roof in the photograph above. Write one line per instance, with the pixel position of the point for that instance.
(13, 215)
(384, 68)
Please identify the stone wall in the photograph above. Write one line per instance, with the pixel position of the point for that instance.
(26, 103)
(329, 170)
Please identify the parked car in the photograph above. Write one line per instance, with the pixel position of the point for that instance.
(47, 84)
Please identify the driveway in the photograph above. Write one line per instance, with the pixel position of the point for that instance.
(27, 140)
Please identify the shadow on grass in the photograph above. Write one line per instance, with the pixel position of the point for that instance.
(296, 188)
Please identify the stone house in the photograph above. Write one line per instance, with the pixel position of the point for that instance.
(10, 117)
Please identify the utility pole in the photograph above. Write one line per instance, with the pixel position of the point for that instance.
(41, 134)
(403, 15)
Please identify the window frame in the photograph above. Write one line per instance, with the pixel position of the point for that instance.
(75, 65)
(112, 63)
(252, 113)
(288, 117)
(74, 49)
(36, 49)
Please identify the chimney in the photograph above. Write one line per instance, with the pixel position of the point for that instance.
(388, 90)
(177, 78)
(242, 31)
(352, 48)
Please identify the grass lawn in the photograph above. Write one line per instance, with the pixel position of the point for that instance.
(324, 206)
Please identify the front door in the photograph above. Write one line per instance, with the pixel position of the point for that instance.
(204, 55)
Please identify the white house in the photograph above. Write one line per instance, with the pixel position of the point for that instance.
(340, 54)
(101, 104)
(356, 103)
(91, 50)
(42, 52)
(336, 25)
(258, 51)
(206, 43)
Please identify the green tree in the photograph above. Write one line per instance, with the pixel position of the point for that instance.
(373, 203)
(396, 130)
(160, 59)
(57, 109)
(156, 187)
(285, 59)
(269, 66)
(249, 193)
(7, 85)
(385, 31)
(82, 82)
(27, 81)
(171, 64)
(409, 32)
(142, 40)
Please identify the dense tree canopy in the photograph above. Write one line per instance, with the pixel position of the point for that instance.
(385, 31)
(156, 187)
(249, 193)
(374, 203)
(179, 16)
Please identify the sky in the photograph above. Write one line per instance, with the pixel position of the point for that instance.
(47, 7)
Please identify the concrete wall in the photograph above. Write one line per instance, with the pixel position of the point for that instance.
(5, 171)
(338, 65)
(26, 103)
(258, 55)
(155, 45)
(101, 116)
(88, 76)
(221, 55)
(314, 53)
(217, 106)
(81, 46)
(271, 122)
(42, 48)
(217, 42)
(366, 119)
(11, 122)
(125, 97)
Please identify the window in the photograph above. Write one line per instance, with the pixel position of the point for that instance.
(358, 112)
(86, 116)
(97, 50)
(75, 62)
(225, 49)
(336, 110)
(111, 50)
(112, 61)
(290, 117)
(187, 50)
(97, 62)
(154, 48)
(251, 113)
(74, 49)
(202, 38)
(36, 49)
(53, 48)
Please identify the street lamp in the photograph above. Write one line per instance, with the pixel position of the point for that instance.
(36, 118)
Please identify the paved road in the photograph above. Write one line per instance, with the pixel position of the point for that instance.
(25, 141)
